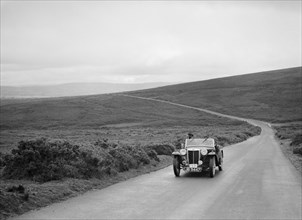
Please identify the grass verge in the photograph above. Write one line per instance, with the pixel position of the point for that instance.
(289, 136)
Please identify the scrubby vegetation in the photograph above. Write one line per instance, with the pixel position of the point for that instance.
(40, 171)
(290, 138)
(297, 144)
(292, 132)
(160, 149)
(43, 160)
(19, 196)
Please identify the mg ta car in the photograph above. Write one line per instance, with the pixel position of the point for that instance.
(197, 155)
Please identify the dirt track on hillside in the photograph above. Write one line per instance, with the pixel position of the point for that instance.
(258, 182)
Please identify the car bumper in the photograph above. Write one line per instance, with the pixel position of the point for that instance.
(192, 168)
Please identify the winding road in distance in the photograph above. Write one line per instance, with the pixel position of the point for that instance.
(258, 182)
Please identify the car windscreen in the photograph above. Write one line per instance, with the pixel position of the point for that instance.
(200, 142)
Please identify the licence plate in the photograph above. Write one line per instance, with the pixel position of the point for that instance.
(193, 165)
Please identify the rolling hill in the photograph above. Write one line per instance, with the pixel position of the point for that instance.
(85, 119)
(98, 111)
(274, 96)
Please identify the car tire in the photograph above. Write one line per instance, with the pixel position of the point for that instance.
(176, 166)
(220, 165)
(212, 167)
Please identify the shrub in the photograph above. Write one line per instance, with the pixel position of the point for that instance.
(103, 143)
(152, 154)
(2, 160)
(161, 149)
(297, 140)
(298, 149)
(19, 189)
(221, 140)
(127, 157)
(138, 153)
(122, 160)
(41, 160)
(178, 142)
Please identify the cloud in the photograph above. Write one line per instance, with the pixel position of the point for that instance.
(56, 42)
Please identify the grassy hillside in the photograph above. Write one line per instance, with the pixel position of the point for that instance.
(98, 111)
(274, 96)
(85, 119)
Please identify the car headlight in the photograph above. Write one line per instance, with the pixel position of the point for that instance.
(183, 152)
(203, 151)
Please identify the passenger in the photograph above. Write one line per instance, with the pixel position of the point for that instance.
(190, 136)
(217, 147)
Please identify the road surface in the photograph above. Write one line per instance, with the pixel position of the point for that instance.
(258, 182)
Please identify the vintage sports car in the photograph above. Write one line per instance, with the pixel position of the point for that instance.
(198, 154)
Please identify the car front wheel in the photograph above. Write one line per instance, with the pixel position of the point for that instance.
(176, 166)
(212, 167)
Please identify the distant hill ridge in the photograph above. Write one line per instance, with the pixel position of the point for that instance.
(72, 89)
(274, 96)
(289, 75)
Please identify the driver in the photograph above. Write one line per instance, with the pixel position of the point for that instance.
(190, 135)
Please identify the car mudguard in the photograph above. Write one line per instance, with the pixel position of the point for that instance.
(216, 158)
(175, 153)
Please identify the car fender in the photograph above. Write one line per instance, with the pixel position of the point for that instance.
(175, 153)
(214, 156)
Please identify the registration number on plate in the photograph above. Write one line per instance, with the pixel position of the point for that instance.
(193, 165)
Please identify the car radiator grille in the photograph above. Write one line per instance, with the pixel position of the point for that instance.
(193, 156)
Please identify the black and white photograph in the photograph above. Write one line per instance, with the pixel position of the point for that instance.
(150, 109)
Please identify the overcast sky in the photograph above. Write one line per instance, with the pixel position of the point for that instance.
(51, 42)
